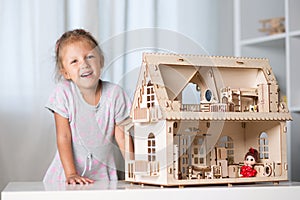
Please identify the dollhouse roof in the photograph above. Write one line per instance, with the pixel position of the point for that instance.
(171, 73)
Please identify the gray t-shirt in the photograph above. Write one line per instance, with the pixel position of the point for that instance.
(92, 129)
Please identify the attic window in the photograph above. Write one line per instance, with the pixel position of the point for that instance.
(150, 95)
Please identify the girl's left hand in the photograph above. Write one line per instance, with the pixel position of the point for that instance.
(76, 179)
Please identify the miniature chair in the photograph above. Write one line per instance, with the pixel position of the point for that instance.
(215, 172)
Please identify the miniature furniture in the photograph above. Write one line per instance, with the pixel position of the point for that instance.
(194, 117)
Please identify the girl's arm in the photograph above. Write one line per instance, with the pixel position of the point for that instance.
(120, 139)
(64, 145)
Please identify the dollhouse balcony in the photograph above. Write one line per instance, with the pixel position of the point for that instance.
(146, 114)
(191, 107)
(221, 111)
(141, 115)
(203, 107)
(144, 168)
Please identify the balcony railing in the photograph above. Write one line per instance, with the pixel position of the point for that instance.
(191, 107)
(145, 168)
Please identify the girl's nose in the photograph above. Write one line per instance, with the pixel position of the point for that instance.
(84, 64)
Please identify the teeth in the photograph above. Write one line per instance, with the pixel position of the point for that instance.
(86, 74)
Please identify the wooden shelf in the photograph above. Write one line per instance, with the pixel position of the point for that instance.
(264, 39)
(295, 33)
(295, 109)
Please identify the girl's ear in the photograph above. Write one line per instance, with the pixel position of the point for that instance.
(65, 74)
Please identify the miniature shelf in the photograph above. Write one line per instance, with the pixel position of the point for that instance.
(121, 190)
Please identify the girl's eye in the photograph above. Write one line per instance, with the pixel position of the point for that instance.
(73, 62)
(90, 56)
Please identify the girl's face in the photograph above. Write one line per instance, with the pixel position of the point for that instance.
(81, 64)
(250, 161)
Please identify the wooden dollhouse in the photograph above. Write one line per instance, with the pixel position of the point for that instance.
(194, 117)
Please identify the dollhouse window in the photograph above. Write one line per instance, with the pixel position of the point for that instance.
(198, 151)
(263, 146)
(150, 95)
(208, 95)
(195, 150)
(201, 160)
(151, 147)
(196, 160)
(227, 142)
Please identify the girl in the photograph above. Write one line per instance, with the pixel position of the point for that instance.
(87, 113)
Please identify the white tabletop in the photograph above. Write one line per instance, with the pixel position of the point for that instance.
(122, 190)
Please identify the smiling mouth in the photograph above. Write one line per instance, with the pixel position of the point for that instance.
(87, 74)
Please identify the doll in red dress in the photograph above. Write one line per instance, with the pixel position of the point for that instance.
(250, 160)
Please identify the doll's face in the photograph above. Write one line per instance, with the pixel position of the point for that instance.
(250, 161)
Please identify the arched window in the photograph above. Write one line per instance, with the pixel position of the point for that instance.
(151, 147)
(263, 146)
(227, 142)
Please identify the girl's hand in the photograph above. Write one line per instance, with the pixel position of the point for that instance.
(76, 179)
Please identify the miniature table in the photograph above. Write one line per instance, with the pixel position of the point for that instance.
(122, 190)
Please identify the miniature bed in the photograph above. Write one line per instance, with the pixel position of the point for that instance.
(194, 117)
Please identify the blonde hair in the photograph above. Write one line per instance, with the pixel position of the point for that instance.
(73, 36)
